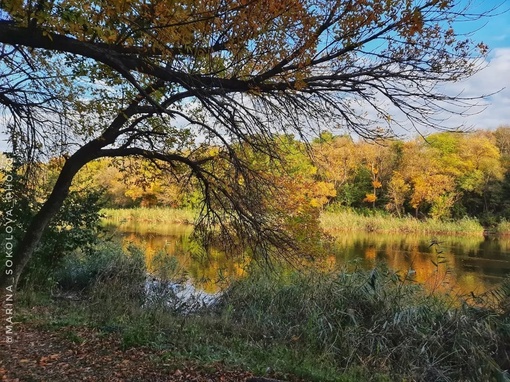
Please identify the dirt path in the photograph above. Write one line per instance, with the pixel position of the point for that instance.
(81, 354)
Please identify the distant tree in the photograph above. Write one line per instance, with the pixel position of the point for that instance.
(482, 171)
(431, 186)
(482, 159)
(398, 192)
(472, 160)
(502, 136)
(500, 191)
(158, 79)
(376, 157)
(336, 158)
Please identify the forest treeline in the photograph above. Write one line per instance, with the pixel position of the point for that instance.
(447, 175)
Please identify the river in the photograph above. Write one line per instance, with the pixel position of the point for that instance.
(462, 264)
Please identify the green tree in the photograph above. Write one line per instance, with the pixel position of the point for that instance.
(502, 136)
(483, 163)
(472, 160)
(499, 203)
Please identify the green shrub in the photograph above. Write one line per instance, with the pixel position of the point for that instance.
(75, 226)
(81, 271)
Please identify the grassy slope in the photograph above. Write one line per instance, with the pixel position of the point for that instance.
(336, 327)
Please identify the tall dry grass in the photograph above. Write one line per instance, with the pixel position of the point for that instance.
(372, 321)
(149, 215)
(381, 222)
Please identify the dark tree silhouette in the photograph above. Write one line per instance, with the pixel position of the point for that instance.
(169, 80)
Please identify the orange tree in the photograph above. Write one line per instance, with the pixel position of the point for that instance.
(159, 79)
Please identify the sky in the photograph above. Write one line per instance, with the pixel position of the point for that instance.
(495, 75)
(493, 79)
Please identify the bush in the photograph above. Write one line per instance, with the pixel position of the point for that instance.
(80, 271)
(75, 226)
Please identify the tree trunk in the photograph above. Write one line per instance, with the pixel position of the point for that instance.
(26, 247)
(85, 154)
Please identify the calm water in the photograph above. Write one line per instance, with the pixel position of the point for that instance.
(458, 263)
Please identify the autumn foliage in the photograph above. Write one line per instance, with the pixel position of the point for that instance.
(447, 175)
(170, 81)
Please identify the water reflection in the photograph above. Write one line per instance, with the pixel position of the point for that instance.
(452, 263)
(458, 263)
(209, 273)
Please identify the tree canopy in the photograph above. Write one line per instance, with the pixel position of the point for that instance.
(168, 80)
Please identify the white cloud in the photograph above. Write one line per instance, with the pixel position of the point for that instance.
(494, 77)
(493, 81)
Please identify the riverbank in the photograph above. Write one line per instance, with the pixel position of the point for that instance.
(337, 326)
(340, 221)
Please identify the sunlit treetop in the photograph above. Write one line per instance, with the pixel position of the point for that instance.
(333, 50)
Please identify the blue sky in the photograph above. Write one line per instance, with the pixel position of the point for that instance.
(492, 80)
(494, 77)
(489, 88)
(495, 32)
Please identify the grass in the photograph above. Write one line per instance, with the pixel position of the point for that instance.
(382, 222)
(347, 220)
(149, 215)
(503, 228)
(321, 326)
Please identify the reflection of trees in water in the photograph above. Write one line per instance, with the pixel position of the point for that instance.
(207, 272)
(456, 263)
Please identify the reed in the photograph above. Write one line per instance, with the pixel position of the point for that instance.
(149, 215)
(503, 228)
(381, 222)
(346, 220)
(370, 321)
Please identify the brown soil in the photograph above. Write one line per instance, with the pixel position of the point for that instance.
(84, 354)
